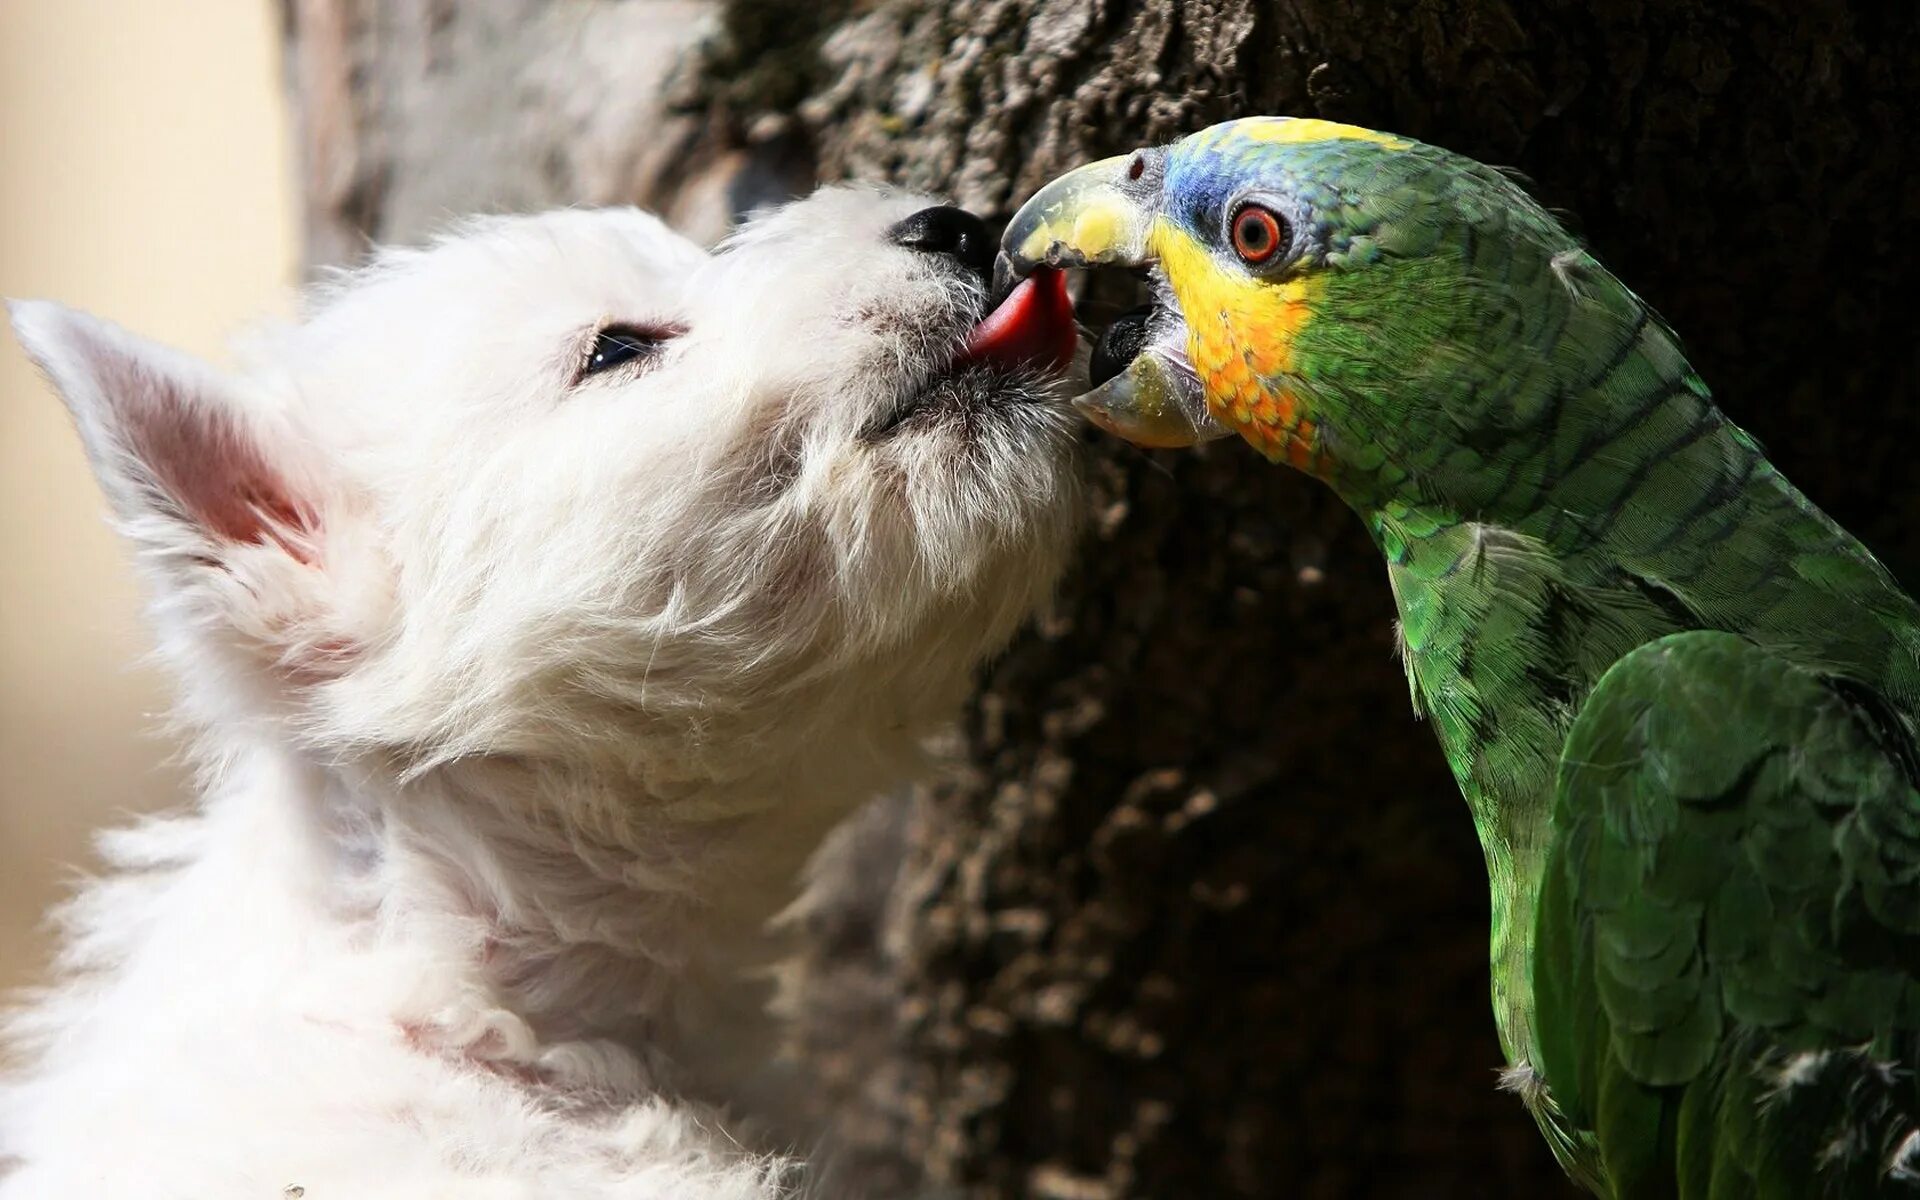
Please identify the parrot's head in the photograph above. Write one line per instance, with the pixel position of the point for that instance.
(1343, 299)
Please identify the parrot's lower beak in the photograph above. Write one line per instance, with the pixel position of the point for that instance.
(1156, 401)
(1102, 215)
(1144, 387)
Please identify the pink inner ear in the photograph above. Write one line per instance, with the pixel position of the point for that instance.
(208, 464)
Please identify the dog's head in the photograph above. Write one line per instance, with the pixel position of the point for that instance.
(569, 487)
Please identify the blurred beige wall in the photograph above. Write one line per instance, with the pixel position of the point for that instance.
(144, 175)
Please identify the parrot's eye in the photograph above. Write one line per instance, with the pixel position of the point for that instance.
(618, 344)
(1258, 234)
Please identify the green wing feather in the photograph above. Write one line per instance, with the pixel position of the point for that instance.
(1729, 929)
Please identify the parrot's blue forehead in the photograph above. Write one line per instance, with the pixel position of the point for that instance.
(1352, 195)
(1314, 168)
(1226, 159)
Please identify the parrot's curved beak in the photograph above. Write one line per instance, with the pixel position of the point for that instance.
(1097, 216)
(1103, 215)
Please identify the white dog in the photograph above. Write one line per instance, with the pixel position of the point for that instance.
(538, 602)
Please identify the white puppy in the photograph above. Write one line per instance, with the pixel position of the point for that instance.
(538, 603)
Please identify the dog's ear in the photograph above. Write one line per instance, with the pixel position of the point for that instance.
(184, 464)
(221, 501)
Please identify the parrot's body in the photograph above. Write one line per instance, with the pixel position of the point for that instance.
(1680, 701)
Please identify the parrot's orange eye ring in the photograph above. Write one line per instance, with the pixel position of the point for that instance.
(1259, 234)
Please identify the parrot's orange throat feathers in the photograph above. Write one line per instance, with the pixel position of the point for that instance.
(1241, 340)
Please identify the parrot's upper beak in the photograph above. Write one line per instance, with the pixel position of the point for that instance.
(1103, 215)
(1097, 216)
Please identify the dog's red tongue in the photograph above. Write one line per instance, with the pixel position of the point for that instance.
(1032, 327)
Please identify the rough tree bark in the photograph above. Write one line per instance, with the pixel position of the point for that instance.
(1201, 914)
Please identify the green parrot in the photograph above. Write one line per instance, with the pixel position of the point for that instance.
(1679, 699)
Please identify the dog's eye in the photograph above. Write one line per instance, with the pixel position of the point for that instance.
(617, 344)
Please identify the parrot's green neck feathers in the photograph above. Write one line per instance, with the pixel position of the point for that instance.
(1668, 519)
(1494, 719)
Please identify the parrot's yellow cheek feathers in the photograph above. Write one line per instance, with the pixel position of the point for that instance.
(1240, 337)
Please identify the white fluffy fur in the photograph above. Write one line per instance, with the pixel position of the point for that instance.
(520, 702)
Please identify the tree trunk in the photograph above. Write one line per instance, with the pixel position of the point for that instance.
(1201, 913)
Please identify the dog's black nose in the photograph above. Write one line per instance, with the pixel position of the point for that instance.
(947, 230)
